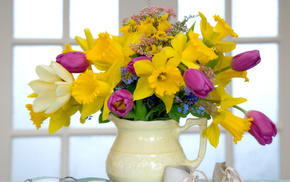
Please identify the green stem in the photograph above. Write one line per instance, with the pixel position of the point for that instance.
(212, 101)
(223, 69)
(182, 66)
(141, 111)
(241, 109)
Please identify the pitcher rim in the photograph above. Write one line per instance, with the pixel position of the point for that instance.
(113, 118)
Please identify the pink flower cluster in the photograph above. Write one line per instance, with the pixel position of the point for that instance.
(153, 11)
(141, 48)
(208, 73)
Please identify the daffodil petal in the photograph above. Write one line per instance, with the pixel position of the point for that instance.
(59, 102)
(89, 109)
(41, 103)
(89, 37)
(144, 68)
(57, 121)
(143, 89)
(168, 101)
(46, 73)
(174, 62)
(225, 46)
(42, 87)
(160, 59)
(114, 74)
(213, 134)
(179, 42)
(82, 42)
(63, 88)
(62, 72)
(106, 110)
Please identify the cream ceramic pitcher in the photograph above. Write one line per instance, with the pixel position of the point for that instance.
(143, 149)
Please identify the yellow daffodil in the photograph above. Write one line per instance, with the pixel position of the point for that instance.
(37, 118)
(235, 125)
(161, 35)
(105, 52)
(147, 26)
(94, 89)
(53, 88)
(197, 50)
(161, 76)
(128, 28)
(88, 43)
(163, 23)
(212, 36)
(68, 48)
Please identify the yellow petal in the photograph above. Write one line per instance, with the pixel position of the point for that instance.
(143, 89)
(213, 134)
(82, 42)
(37, 118)
(160, 59)
(179, 42)
(57, 121)
(144, 68)
(106, 110)
(225, 46)
(168, 101)
(89, 37)
(114, 74)
(89, 109)
(174, 62)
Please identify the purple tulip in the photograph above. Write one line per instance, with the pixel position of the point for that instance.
(121, 102)
(262, 128)
(197, 82)
(130, 66)
(246, 60)
(73, 62)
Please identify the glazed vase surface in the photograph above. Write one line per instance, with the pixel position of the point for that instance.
(143, 149)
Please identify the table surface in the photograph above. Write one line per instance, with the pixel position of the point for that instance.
(204, 180)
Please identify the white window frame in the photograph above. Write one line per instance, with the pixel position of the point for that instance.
(6, 47)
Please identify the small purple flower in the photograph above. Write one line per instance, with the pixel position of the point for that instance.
(262, 128)
(197, 82)
(121, 102)
(246, 60)
(73, 62)
(130, 66)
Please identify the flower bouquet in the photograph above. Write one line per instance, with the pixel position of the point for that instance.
(156, 70)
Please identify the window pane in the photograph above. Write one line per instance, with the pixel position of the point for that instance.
(98, 16)
(254, 161)
(35, 157)
(38, 18)
(206, 7)
(25, 60)
(190, 143)
(88, 154)
(262, 89)
(257, 18)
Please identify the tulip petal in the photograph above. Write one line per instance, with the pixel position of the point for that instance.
(143, 89)
(143, 68)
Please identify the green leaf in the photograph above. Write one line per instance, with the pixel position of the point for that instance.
(101, 119)
(191, 28)
(201, 114)
(211, 64)
(153, 110)
(175, 114)
(130, 115)
(141, 111)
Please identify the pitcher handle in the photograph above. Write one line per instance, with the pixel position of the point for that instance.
(202, 122)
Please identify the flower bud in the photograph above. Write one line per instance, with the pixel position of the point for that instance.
(121, 102)
(197, 82)
(130, 66)
(73, 62)
(262, 128)
(246, 60)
